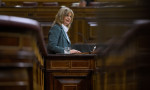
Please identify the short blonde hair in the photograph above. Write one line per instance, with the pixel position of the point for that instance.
(59, 18)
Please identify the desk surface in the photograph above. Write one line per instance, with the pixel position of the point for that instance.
(70, 56)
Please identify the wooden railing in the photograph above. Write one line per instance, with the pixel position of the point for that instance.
(128, 67)
(124, 62)
(22, 51)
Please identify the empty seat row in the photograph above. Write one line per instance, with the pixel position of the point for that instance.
(44, 3)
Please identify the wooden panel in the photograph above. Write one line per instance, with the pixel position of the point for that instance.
(71, 72)
(9, 41)
(69, 87)
(70, 64)
(64, 81)
(15, 41)
(26, 41)
(59, 64)
(74, 64)
(80, 64)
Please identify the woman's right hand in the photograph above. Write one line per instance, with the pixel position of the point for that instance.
(73, 51)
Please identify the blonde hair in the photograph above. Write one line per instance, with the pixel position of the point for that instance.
(59, 18)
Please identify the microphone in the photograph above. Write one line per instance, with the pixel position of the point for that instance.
(94, 48)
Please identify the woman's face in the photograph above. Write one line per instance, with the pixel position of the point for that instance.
(67, 19)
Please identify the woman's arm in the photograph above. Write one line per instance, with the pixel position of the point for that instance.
(53, 38)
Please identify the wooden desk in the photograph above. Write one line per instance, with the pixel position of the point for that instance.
(70, 72)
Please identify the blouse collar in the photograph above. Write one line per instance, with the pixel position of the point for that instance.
(65, 28)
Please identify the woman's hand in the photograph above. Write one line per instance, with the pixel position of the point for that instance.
(73, 51)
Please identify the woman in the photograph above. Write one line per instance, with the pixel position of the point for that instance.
(58, 38)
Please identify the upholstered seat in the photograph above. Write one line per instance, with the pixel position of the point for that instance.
(30, 4)
(94, 4)
(50, 4)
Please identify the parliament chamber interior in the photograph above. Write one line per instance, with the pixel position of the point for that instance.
(119, 29)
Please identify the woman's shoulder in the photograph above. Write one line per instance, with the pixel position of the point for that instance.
(57, 26)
